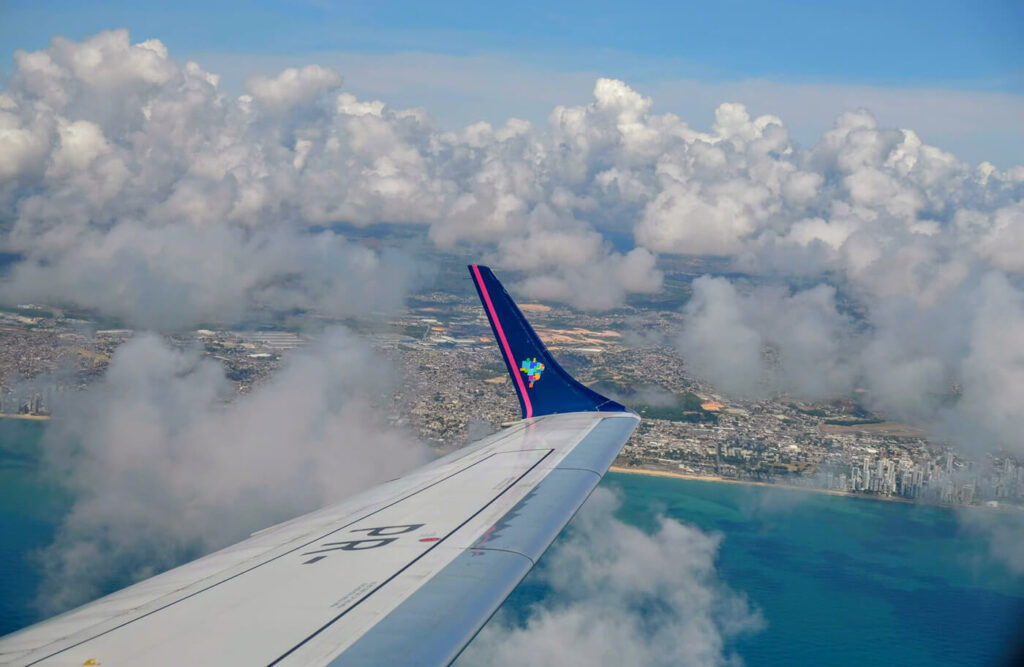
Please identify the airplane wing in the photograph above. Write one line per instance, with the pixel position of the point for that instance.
(405, 573)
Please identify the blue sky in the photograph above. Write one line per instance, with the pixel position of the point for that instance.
(960, 48)
(951, 43)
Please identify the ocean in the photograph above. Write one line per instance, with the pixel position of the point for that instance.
(845, 581)
(30, 509)
(839, 580)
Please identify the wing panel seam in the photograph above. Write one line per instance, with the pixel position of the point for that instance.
(414, 560)
(271, 560)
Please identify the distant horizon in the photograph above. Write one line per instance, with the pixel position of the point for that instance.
(952, 71)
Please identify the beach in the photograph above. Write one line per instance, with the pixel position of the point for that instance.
(746, 482)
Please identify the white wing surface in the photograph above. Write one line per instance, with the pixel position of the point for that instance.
(406, 573)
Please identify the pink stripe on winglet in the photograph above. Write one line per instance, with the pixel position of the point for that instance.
(504, 341)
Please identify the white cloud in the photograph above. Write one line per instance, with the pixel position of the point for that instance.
(619, 596)
(177, 172)
(993, 369)
(949, 363)
(1002, 241)
(163, 468)
(717, 342)
(293, 86)
(178, 152)
(767, 341)
(170, 277)
(203, 204)
(459, 90)
(1001, 531)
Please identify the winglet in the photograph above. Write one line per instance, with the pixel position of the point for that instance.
(543, 387)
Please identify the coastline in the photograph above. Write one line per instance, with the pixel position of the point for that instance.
(725, 480)
(35, 418)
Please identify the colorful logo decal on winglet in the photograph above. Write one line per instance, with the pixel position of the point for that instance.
(533, 369)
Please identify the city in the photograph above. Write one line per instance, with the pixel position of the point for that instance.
(445, 354)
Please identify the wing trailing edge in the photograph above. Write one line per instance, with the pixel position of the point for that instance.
(542, 385)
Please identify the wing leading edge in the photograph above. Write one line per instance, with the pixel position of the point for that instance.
(406, 573)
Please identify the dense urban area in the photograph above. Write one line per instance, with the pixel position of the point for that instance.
(455, 389)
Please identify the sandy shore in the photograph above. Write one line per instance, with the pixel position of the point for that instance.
(725, 480)
(35, 418)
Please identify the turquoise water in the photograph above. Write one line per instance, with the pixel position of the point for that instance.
(29, 512)
(840, 581)
(845, 581)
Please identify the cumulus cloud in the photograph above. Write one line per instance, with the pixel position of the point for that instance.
(952, 365)
(769, 340)
(133, 186)
(169, 278)
(619, 596)
(993, 370)
(868, 204)
(891, 254)
(717, 342)
(293, 86)
(163, 468)
(122, 170)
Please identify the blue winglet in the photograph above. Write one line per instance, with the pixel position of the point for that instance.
(543, 387)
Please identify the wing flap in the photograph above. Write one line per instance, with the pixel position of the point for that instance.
(435, 623)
